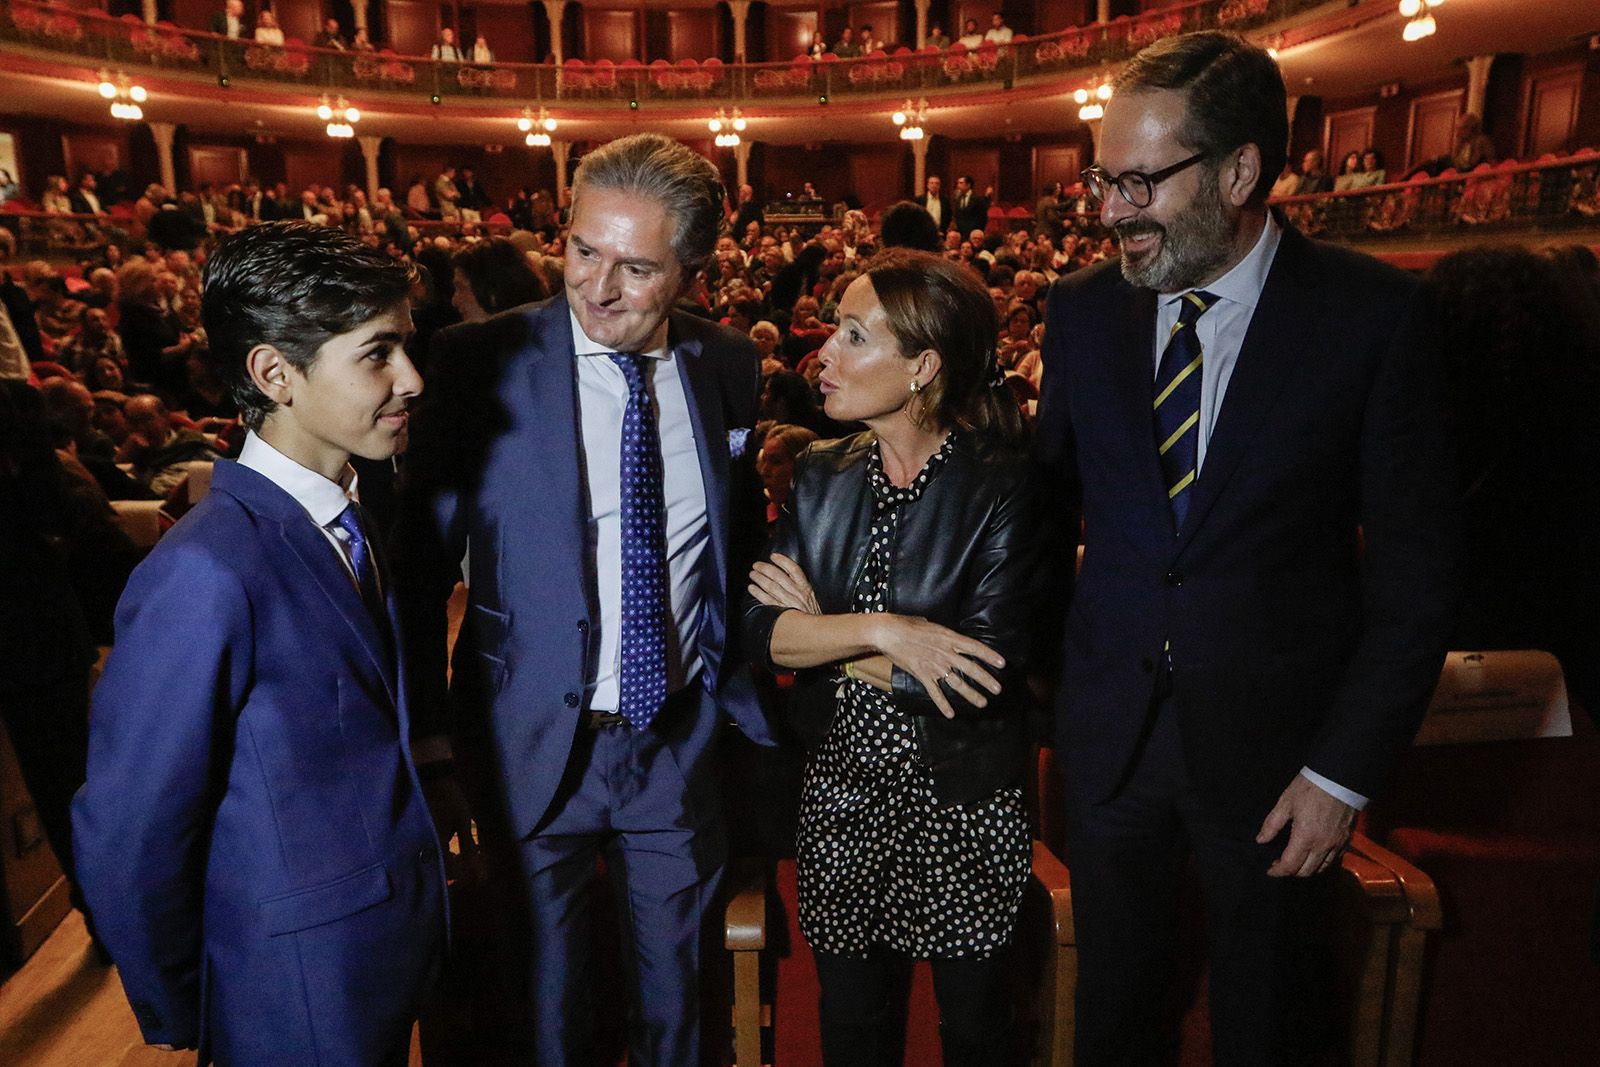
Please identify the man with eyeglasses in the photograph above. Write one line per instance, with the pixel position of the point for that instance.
(1234, 408)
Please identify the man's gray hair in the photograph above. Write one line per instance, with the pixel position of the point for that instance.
(672, 174)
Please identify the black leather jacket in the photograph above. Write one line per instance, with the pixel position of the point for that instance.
(964, 556)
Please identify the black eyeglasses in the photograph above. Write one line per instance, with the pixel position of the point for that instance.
(1136, 187)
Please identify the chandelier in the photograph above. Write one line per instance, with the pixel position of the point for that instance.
(340, 116)
(910, 118)
(727, 127)
(125, 97)
(1419, 14)
(1092, 102)
(537, 127)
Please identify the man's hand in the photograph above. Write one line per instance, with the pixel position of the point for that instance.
(1319, 829)
(452, 818)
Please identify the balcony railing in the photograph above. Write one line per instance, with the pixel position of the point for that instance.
(1550, 193)
(130, 43)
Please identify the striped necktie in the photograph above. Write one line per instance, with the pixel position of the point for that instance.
(1177, 404)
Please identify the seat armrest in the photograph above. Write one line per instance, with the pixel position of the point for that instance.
(1393, 889)
(745, 920)
(1057, 881)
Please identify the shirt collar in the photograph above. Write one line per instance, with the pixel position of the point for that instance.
(583, 346)
(322, 500)
(1243, 284)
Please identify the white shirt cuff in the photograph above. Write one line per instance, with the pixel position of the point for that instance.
(1334, 789)
(434, 749)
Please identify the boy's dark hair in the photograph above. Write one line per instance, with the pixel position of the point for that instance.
(1234, 91)
(291, 285)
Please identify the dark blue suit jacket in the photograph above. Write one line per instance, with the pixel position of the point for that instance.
(496, 460)
(1290, 645)
(252, 839)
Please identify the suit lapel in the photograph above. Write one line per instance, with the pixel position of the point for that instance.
(321, 559)
(1133, 377)
(703, 392)
(1266, 360)
(553, 424)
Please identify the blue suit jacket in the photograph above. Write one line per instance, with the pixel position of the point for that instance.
(252, 838)
(496, 460)
(1290, 645)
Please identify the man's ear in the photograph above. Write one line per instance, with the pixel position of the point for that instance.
(270, 371)
(1239, 178)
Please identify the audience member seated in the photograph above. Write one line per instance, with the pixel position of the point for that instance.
(998, 31)
(848, 47)
(330, 37)
(152, 334)
(93, 341)
(480, 50)
(267, 30)
(157, 450)
(971, 36)
(70, 408)
(937, 38)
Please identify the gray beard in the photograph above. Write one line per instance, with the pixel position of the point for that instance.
(1193, 246)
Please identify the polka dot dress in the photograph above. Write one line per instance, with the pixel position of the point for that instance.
(879, 862)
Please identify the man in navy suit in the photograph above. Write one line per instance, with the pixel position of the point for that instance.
(253, 839)
(1253, 421)
(580, 448)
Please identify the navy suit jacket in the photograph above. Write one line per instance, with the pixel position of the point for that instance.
(496, 461)
(252, 839)
(1291, 644)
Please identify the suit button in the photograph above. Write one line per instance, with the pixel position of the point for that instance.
(427, 855)
(1147, 665)
(1174, 579)
(583, 626)
(570, 700)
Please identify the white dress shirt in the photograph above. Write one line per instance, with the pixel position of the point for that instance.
(602, 402)
(322, 500)
(935, 208)
(1221, 332)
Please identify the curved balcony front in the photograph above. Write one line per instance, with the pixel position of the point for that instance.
(1070, 56)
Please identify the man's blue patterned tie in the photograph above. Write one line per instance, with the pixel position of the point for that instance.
(349, 521)
(642, 675)
(1177, 404)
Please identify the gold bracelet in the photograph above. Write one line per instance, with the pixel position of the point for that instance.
(850, 670)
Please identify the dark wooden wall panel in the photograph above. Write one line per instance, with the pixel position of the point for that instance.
(789, 32)
(610, 33)
(413, 26)
(509, 29)
(301, 19)
(694, 33)
(1552, 112)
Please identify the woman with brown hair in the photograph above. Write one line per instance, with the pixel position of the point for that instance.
(898, 590)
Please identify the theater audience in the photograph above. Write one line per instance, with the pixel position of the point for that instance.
(156, 448)
(267, 30)
(152, 334)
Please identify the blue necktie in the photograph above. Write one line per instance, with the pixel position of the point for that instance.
(1177, 404)
(642, 679)
(349, 521)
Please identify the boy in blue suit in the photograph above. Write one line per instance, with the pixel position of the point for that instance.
(253, 839)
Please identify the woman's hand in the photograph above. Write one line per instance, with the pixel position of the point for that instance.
(781, 583)
(932, 654)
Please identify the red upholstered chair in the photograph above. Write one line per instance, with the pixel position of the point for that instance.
(1509, 829)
